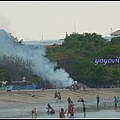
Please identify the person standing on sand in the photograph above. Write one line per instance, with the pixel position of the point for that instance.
(98, 100)
(59, 96)
(56, 96)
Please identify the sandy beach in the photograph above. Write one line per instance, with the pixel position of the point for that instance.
(16, 104)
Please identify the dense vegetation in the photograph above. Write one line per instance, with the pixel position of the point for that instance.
(79, 54)
(88, 58)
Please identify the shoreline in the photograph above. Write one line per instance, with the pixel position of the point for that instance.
(21, 103)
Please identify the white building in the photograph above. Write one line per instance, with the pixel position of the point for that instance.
(112, 35)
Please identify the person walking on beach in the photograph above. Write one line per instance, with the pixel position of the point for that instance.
(62, 113)
(59, 97)
(56, 96)
(115, 101)
(34, 113)
(84, 109)
(118, 102)
(98, 100)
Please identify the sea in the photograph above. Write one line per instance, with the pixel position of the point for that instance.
(24, 110)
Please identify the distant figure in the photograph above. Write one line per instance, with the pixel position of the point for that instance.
(52, 111)
(8, 89)
(33, 95)
(48, 107)
(62, 113)
(18, 88)
(69, 100)
(84, 109)
(105, 104)
(56, 96)
(118, 102)
(98, 100)
(59, 96)
(71, 110)
(68, 111)
(115, 102)
(34, 113)
(81, 100)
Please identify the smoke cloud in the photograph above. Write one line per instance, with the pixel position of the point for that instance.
(5, 23)
(43, 66)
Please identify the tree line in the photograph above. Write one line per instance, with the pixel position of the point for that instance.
(77, 56)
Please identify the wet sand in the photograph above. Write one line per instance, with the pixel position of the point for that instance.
(19, 105)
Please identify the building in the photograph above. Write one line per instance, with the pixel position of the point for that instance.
(112, 35)
(115, 34)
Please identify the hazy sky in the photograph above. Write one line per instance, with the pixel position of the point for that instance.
(51, 20)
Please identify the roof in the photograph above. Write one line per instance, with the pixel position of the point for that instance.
(115, 33)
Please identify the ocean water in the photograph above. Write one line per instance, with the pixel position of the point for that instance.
(24, 111)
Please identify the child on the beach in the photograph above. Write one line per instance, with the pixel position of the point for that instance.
(34, 113)
(33, 95)
(48, 107)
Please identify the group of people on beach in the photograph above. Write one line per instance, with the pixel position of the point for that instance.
(57, 96)
(70, 110)
(117, 102)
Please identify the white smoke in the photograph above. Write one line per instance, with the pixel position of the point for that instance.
(5, 23)
(43, 67)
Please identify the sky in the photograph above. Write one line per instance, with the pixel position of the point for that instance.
(50, 20)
